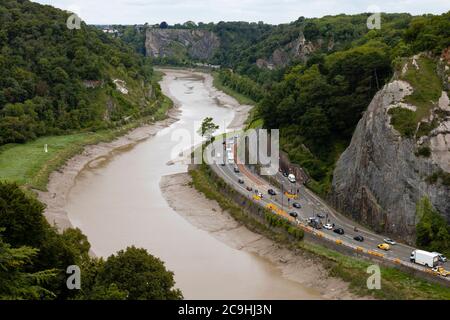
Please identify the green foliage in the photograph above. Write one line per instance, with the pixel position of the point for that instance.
(439, 176)
(207, 128)
(276, 221)
(424, 152)
(432, 231)
(404, 121)
(139, 273)
(55, 80)
(241, 84)
(21, 216)
(34, 258)
(429, 33)
(426, 84)
(16, 282)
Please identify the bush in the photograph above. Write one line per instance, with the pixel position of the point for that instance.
(424, 152)
(404, 121)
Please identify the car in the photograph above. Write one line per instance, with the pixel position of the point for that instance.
(296, 205)
(321, 215)
(271, 192)
(293, 214)
(236, 169)
(389, 241)
(291, 178)
(241, 181)
(249, 188)
(338, 231)
(383, 246)
(358, 238)
(259, 194)
(285, 174)
(222, 164)
(328, 226)
(441, 257)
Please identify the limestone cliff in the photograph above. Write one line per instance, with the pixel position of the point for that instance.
(381, 176)
(299, 49)
(196, 44)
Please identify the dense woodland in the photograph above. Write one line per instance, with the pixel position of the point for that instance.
(47, 71)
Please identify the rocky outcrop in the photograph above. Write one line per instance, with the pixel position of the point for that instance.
(379, 178)
(300, 49)
(196, 44)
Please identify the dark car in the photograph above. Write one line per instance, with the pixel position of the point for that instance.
(236, 169)
(241, 181)
(321, 215)
(359, 238)
(285, 174)
(271, 192)
(296, 205)
(293, 214)
(338, 231)
(249, 188)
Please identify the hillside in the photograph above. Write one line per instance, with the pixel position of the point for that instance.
(55, 80)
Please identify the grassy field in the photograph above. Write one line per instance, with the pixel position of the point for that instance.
(30, 166)
(395, 284)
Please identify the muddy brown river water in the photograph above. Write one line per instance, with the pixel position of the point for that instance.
(118, 203)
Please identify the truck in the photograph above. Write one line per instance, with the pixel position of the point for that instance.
(424, 258)
(315, 223)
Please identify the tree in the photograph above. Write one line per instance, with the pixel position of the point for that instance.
(21, 216)
(163, 25)
(15, 281)
(432, 231)
(207, 128)
(140, 274)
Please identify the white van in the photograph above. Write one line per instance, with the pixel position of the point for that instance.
(291, 178)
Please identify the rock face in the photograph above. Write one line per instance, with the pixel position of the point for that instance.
(299, 49)
(197, 44)
(378, 180)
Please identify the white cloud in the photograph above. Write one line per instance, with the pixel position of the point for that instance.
(270, 11)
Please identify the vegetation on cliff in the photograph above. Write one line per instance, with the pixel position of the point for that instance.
(433, 233)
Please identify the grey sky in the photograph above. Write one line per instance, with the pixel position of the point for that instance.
(269, 11)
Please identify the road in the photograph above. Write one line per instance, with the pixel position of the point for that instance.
(311, 205)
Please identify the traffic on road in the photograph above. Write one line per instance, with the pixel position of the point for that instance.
(295, 202)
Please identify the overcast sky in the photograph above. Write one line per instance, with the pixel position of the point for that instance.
(269, 11)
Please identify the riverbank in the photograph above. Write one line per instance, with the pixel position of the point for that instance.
(62, 177)
(61, 181)
(210, 217)
(241, 111)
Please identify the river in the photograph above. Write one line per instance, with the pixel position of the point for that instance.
(118, 203)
